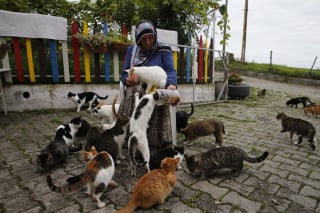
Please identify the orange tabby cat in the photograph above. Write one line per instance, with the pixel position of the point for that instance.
(315, 110)
(153, 187)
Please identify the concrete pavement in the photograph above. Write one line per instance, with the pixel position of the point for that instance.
(287, 181)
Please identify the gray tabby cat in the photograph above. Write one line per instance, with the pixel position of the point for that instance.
(209, 163)
(298, 126)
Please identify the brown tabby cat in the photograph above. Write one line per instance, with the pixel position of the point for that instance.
(314, 110)
(209, 163)
(298, 126)
(153, 187)
(199, 128)
(99, 172)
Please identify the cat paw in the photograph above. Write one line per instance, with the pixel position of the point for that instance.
(296, 142)
(122, 157)
(101, 205)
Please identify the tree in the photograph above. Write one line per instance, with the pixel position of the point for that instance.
(183, 16)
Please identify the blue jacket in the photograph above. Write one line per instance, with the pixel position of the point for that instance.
(162, 58)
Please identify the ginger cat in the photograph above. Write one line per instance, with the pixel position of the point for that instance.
(153, 187)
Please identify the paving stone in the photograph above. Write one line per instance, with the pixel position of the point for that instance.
(287, 181)
(242, 202)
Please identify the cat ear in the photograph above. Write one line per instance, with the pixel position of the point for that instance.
(176, 161)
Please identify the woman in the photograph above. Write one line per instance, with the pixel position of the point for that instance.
(149, 52)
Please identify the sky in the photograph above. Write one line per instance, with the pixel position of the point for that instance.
(288, 28)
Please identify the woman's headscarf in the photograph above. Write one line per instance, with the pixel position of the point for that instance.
(139, 55)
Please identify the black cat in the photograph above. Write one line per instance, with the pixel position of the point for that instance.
(172, 151)
(300, 100)
(182, 118)
(54, 154)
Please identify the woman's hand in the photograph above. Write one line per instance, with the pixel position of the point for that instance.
(132, 80)
(172, 87)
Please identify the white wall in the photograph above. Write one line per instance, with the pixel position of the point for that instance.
(55, 96)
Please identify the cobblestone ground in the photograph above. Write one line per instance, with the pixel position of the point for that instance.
(287, 181)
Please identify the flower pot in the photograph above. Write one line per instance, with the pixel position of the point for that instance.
(117, 47)
(238, 91)
(98, 50)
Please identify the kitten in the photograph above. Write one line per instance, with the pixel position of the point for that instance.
(171, 151)
(262, 93)
(205, 165)
(296, 101)
(138, 129)
(99, 172)
(110, 140)
(83, 98)
(199, 128)
(298, 126)
(151, 75)
(67, 132)
(54, 154)
(182, 118)
(154, 187)
(105, 112)
(314, 110)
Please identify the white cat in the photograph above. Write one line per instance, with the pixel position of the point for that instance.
(152, 76)
(138, 129)
(105, 113)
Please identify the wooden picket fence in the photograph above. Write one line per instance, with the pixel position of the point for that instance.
(43, 61)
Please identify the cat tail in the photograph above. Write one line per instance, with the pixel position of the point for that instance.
(129, 207)
(258, 159)
(192, 109)
(67, 188)
(102, 98)
(75, 149)
(114, 106)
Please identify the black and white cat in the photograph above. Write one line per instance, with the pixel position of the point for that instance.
(208, 164)
(171, 151)
(83, 98)
(67, 132)
(182, 118)
(138, 129)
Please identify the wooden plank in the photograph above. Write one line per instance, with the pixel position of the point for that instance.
(106, 56)
(116, 66)
(17, 54)
(200, 61)
(54, 60)
(86, 56)
(76, 52)
(30, 60)
(206, 55)
(66, 72)
(42, 60)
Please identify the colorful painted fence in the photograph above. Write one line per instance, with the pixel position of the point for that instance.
(54, 57)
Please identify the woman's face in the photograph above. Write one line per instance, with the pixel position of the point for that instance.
(147, 42)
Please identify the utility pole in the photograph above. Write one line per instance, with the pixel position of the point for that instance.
(244, 33)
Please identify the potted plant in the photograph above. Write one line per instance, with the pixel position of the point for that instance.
(99, 43)
(237, 89)
(96, 43)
